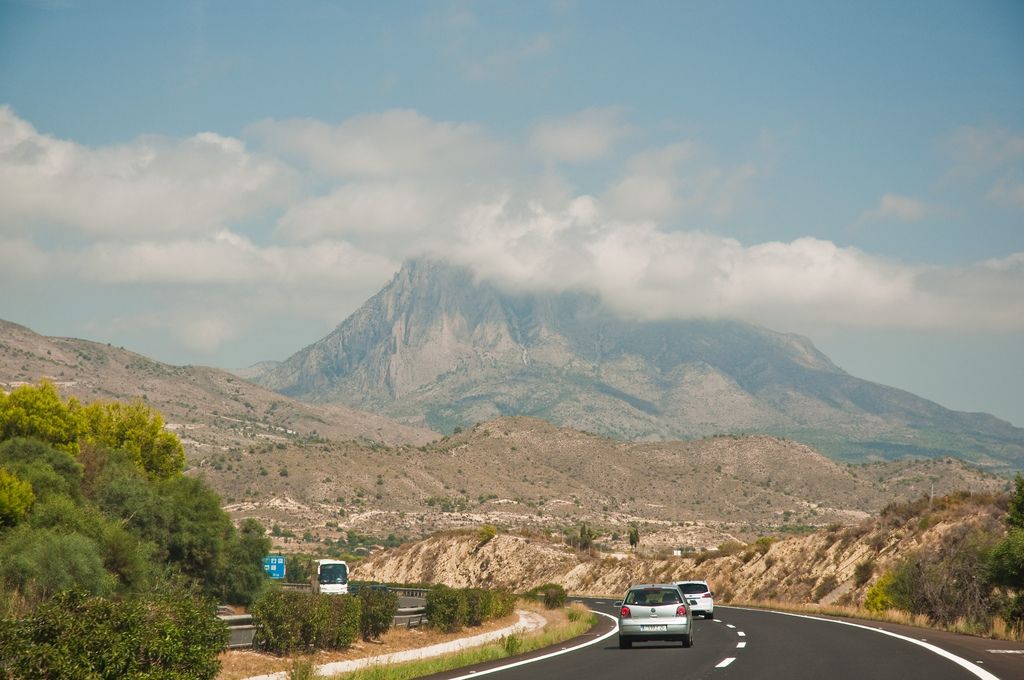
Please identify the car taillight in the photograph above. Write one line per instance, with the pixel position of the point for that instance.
(681, 610)
(706, 595)
(624, 613)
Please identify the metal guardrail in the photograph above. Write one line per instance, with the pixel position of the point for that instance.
(411, 592)
(240, 630)
(410, 617)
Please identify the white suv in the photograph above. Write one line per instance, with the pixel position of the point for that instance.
(699, 596)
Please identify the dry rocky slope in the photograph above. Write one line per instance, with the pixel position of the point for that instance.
(441, 347)
(819, 567)
(210, 409)
(323, 470)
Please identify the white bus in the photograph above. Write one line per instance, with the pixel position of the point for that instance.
(331, 577)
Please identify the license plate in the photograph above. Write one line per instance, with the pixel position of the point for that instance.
(653, 629)
(693, 601)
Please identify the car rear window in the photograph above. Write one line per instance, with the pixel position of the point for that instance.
(652, 596)
(693, 588)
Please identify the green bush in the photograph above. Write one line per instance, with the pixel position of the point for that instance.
(447, 609)
(512, 644)
(343, 627)
(40, 563)
(75, 635)
(304, 669)
(878, 598)
(485, 534)
(277, 631)
(863, 572)
(379, 609)
(288, 621)
(921, 580)
(827, 585)
(480, 605)
(504, 604)
(551, 594)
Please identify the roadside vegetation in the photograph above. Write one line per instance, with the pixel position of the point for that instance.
(571, 622)
(970, 580)
(113, 560)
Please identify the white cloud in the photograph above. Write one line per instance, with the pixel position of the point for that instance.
(993, 155)
(223, 259)
(397, 143)
(648, 273)
(585, 136)
(501, 63)
(677, 179)
(367, 211)
(900, 208)
(150, 185)
(978, 150)
(1008, 192)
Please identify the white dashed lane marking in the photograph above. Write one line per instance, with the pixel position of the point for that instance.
(739, 645)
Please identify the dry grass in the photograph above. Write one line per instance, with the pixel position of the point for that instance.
(562, 625)
(997, 630)
(238, 664)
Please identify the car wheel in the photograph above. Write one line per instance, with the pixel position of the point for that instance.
(709, 615)
(688, 640)
(624, 643)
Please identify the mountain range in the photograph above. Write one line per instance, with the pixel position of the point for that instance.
(326, 469)
(439, 347)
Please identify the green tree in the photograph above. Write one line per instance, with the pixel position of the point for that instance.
(137, 429)
(39, 563)
(1015, 513)
(243, 577)
(47, 469)
(586, 536)
(16, 498)
(38, 412)
(1006, 567)
(634, 536)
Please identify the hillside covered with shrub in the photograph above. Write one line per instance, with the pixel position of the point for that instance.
(955, 561)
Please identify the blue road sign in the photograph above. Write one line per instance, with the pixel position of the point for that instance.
(274, 566)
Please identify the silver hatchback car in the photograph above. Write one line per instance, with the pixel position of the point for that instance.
(654, 612)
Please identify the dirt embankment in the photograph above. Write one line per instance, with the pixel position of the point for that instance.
(836, 565)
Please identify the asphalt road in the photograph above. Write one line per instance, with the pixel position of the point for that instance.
(757, 645)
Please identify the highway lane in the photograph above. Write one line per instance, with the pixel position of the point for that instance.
(748, 645)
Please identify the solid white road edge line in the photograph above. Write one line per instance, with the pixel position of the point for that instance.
(726, 662)
(960, 661)
(607, 635)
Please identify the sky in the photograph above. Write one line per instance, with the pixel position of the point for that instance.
(221, 183)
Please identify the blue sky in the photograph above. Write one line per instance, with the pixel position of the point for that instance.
(223, 182)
